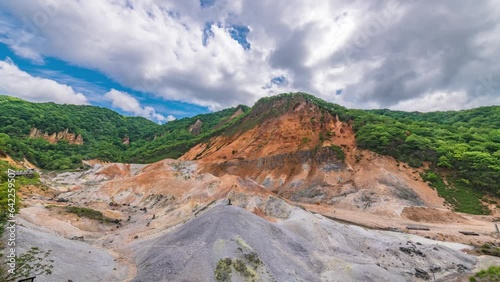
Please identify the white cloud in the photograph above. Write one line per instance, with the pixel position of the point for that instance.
(170, 118)
(128, 103)
(15, 82)
(157, 48)
(433, 102)
(379, 52)
(442, 101)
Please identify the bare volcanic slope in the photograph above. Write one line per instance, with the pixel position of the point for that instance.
(302, 151)
(275, 126)
(227, 243)
(154, 203)
(72, 259)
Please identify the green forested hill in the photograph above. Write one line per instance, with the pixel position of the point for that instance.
(173, 139)
(103, 132)
(94, 123)
(461, 146)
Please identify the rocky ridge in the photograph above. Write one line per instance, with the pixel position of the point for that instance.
(56, 136)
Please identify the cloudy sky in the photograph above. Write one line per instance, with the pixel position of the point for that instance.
(166, 59)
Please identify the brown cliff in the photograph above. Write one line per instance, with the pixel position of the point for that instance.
(53, 138)
(195, 128)
(304, 153)
(302, 127)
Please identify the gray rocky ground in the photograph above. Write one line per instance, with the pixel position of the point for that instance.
(73, 260)
(227, 243)
(175, 224)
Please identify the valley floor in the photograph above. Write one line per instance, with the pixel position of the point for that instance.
(193, 237)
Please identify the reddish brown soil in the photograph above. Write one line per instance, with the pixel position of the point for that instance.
(422, 214)
(116, 171)
(294, 131)
(271, 153)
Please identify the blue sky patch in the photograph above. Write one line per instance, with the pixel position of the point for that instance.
(279, 80)
(207, 3)
(93, 84)
(239, 33)
(207, 33)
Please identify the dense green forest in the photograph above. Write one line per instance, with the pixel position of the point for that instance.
(102, 130)
(174, 137)
(461, 147)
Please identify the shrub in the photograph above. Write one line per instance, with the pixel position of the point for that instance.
(89, 213)
(490, 274)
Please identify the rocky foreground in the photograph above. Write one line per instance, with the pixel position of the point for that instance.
(171, 221)
(228, 243)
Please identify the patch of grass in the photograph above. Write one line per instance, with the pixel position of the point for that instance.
(457, 193)
(338, 151)
(490, 274)
(223, 270)
(490, 250)
(253, 258)
(18, 182)
(321, 137)
(240, 266)
(33, 262)
(225, 266)
(89, 213)
(305, 140)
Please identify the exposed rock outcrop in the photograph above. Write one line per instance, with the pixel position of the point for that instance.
(195, 128)
(53, 138)
(276, 128)
(234, 244)
(238, 112)
(305, 153)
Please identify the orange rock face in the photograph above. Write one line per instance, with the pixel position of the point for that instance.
(304, 127)
(195, 128)
(55, 137)
(294, 153)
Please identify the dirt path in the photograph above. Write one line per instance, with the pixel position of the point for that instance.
(127, 262)
(444, 231)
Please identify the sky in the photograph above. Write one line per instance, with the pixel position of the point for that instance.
(169, 59)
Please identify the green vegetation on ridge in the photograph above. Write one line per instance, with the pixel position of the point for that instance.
(463, 147)
(174, 138)
(18, 181)
(102, 130)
